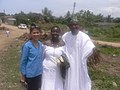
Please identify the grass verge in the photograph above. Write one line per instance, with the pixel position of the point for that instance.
(10, 61)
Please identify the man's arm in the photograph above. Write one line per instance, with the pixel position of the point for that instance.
(95, 58)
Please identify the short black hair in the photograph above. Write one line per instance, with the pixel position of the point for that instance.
(56, 28)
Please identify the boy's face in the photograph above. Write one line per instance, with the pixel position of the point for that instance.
(35, 34)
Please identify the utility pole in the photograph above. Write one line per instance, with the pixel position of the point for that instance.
(73, 17)
(74, 8)
(4, 11)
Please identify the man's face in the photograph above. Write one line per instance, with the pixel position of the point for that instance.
(74, 29)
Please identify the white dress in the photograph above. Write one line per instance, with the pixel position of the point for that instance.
(51, 78)
(78, 48)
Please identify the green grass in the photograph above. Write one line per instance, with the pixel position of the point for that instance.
(109, 50)
(104, 81)
(10, 62)
(107, 39)
(10, 66)
(106, 34)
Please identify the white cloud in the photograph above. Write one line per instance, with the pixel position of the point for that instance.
(113, 11)
(112, 7)
(113, 1)
(60, 7)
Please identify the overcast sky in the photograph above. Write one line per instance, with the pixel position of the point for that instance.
(60, 7)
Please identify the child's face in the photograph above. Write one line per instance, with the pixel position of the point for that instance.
(35, 34)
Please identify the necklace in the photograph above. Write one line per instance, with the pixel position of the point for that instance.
(55, 44)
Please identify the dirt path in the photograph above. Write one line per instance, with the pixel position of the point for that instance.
(14, 33)
(107, 43)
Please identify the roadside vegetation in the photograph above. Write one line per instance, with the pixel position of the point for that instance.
(106, 33)
(10, 61)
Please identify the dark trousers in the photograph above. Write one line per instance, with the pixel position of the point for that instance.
(34, 83)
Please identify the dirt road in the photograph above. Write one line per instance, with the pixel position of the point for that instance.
(14, 33)
(112, 44)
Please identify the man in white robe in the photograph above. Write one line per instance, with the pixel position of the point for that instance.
(78, 47)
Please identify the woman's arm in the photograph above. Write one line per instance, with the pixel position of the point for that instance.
(24, 59)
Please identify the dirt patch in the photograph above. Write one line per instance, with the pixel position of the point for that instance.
(103, 43)
(110, 64)
(14, 33)
(4, 44)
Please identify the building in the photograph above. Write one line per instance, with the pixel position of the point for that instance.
(9, 20)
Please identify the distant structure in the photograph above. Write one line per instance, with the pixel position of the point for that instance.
(9, 20)
(74, 18)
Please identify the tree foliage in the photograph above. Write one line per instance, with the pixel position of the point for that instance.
(85, 18)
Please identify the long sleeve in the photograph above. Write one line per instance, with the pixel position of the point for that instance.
(87, 47)
(24, 59)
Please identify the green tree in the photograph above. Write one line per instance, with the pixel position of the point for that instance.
(47, 15)
(109, 18)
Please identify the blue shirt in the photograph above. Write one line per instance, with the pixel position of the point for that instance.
(31, 60)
